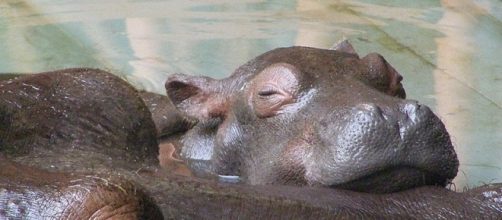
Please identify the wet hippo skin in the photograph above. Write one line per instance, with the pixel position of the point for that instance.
(233, 120)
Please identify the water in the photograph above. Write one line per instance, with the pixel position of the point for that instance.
(448, 51)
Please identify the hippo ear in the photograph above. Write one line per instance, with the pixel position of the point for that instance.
(344, 46)
(196, 96)
(383, 76)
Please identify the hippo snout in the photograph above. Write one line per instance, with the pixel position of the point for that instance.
(405, 144)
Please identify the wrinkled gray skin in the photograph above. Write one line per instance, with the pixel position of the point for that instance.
(305, 116)
(58, 173)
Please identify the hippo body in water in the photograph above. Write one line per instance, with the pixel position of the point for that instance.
(298, 125)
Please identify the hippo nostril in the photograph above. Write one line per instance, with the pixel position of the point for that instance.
(414, 110)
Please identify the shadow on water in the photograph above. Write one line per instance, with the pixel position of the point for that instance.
(447, 51)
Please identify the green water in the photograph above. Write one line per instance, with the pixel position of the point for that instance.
(448, 51)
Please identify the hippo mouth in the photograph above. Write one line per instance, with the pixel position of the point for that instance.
(394, 179)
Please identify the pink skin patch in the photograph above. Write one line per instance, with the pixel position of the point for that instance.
(169, 162)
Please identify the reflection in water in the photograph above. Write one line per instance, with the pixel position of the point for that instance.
(448, 51)
(311, 33)
(147, 62)
(461, 107)
(453, 54)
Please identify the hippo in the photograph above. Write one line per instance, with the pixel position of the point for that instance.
(336, 136)
(305, 116)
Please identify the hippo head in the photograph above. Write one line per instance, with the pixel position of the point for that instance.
(306, 116)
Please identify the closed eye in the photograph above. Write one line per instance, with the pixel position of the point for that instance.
(268, 90)
(273, 88)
